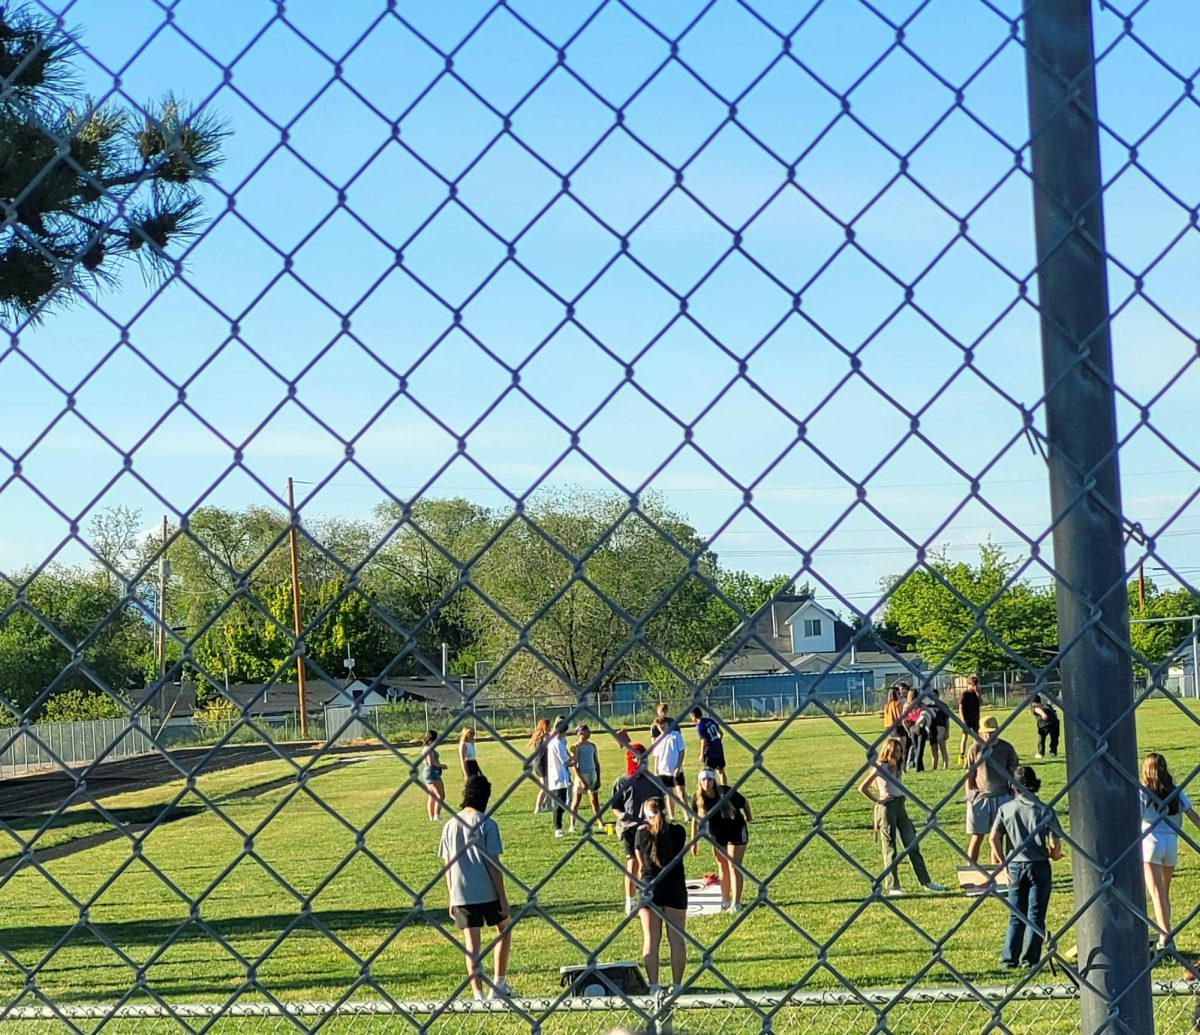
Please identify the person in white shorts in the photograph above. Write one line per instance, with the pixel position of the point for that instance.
(1162, 806)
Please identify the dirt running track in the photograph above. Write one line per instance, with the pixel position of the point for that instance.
(43, 792)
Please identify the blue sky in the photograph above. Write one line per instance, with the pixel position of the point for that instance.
(403, 317)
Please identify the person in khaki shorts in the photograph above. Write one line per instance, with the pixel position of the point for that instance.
(991, 764)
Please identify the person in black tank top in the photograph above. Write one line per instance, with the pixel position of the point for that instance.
(659, 849)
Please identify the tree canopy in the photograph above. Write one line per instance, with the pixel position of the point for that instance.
(83, 186)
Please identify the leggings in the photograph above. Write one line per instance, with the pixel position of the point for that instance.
(559, 796)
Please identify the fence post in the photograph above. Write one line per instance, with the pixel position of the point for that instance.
(1092, 603)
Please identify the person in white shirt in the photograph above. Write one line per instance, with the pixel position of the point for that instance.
(668, 751)
(558, 773)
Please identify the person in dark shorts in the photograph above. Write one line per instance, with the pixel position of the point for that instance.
(470, 847)
(968, 712)
(537, 763)
(668, 751)
(725, 815)
(629, 796)
(659, 849)
(466, 754)
(712, 748)
(1048, 725)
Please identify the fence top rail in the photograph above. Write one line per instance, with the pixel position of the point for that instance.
(985, 996)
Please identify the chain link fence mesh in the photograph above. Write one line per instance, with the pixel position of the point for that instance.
(526, 245)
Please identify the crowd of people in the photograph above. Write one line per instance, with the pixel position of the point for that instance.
(648, 802)
(650, 805)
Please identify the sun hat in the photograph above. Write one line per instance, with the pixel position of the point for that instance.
(989, 725)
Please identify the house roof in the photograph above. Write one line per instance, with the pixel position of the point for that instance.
(758, 662)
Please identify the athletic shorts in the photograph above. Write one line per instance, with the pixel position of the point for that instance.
(715, 759)
(588, 780)
(981, 813)
(941, 734)
(628, 838)
(479, 914)
(1162, 853)
(673, 779)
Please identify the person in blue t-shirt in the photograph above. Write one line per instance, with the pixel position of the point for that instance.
(712, 750)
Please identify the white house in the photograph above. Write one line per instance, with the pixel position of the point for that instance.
(794, 633)
(357, 692)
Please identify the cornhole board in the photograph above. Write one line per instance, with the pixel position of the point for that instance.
(605, 979)
(980, 880)
(703, 899)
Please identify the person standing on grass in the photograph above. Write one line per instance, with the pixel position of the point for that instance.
(990, 764)
(940, 736)
(470, 847)
(668, 754)
(431, 777)
(537, 748)
(466, 754)
(893, 710)
(921, 732)
(661, 723)
(912, 715)
(585, 761)
(629, 796)
(1162, 806)
(558, 773)
(712, 746)
(726, 816)
(968, 712)
(1034, 833)
(883, 788)
(1047, 725)
(659, 850)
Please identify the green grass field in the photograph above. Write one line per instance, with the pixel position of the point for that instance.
(816, 918)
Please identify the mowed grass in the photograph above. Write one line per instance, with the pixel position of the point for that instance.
(317, 900)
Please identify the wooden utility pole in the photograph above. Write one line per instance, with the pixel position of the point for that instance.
(295, 521)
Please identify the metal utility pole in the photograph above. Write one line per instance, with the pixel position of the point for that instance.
(160, 638)
(294, 520)
(1092, 601)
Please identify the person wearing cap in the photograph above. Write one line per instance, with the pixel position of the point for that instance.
(585, 762)
(991, 764)
(1034, 832)
(723, 815)
(629, 796)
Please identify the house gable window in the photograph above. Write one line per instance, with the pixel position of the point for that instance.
(812, 627)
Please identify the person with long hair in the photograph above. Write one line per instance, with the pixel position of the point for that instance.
(629, 796)
(883, 788)
(893, 709)
(1162, 806)
(466, 754)
(537, 748)
(585, 763)
(725, 815)
(431, 776)
(659, 849)
(968, 713)
(558, 772)
(470, 847)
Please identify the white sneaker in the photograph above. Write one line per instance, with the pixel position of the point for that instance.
(558, 833)
(931, 886)
(571, 829)
(894, 892)
(477, 996)
(500, 990)
(1037, 754)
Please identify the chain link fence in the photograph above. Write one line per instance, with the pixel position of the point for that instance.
(504, 289)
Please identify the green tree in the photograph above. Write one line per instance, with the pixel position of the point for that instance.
(62, 626)
(1160, 641)
(972, 617)
(84, 187)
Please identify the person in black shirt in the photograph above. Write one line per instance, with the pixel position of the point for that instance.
(725, 816)
(1047, 725)
(659, 847)
(968, 712)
